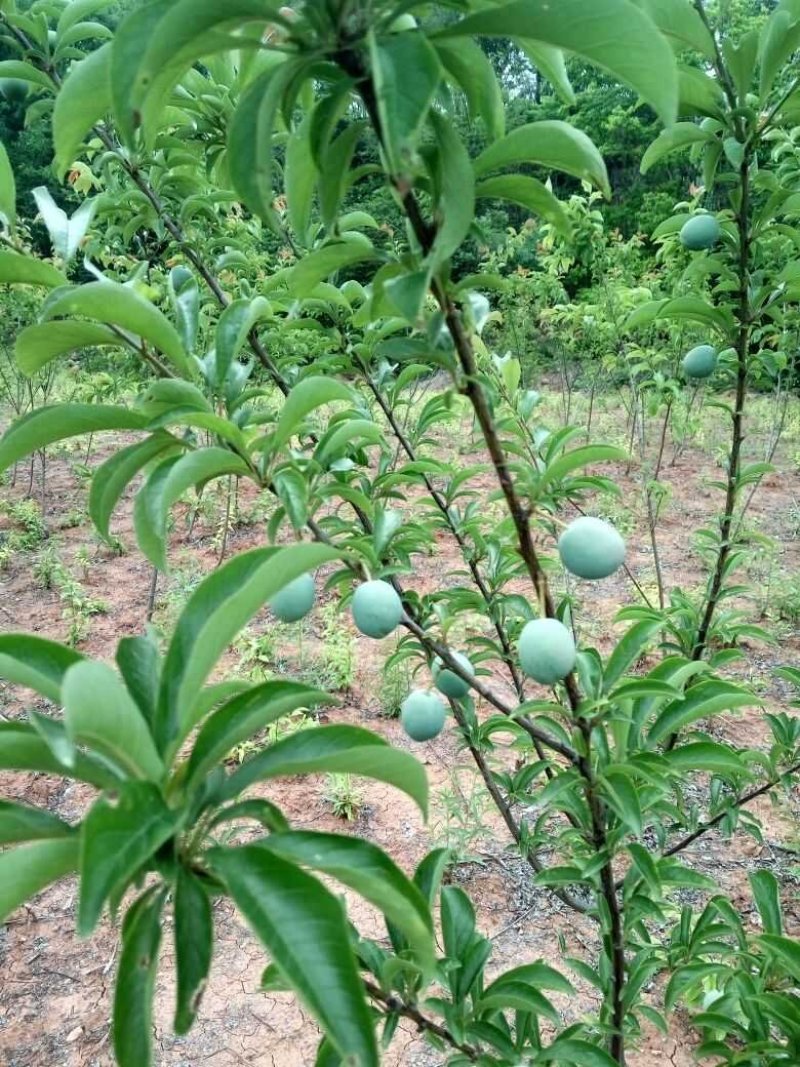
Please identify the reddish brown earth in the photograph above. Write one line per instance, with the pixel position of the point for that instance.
(55, 990)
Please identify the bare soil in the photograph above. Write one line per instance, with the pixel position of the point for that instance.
(55, 991)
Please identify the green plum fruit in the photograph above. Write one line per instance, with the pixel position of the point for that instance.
(700, 233)
(701, 362)
(422, 715)
(377, 609)
(591, 548)
(546, 651)
(295, 600)
(448, 682)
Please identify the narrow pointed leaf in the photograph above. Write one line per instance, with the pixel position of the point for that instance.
(365, 868)
(136, 980)
(20, 822)
(100, 712)
(215, 613)
(613, 34)
(27, 869)
(166, 485)
(111, 478)
(118, 305)
(244, 715)
(552, 144)
(334, 749)
(117, 838)
(57, 422)
(36, 663)
(37, 345)
(82, 100)
(304, 929)
(194, 946)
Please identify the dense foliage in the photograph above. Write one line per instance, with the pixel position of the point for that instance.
(287, 242)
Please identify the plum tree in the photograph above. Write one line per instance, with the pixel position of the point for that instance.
(422, 715)
(546, 651)
(591, 548)
(295, 600)
(377, 609)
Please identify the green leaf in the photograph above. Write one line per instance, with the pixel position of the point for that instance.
(166, 485)
(645, 865)
(309, 394)
(19, 822)
(77, 10)
(708, 697)
(681, 135)
(136, 980)
(184, 295)
(37, 345)
(26, 72)
(121, 306)
(455, 183)
(139, 663)
(622, 798)
(304, 929)
(550, 143)
(235, 323)
(332, 257)
(217, 610)
(250, 139)
(158, 42)
(365, 868)
(613, 34)
(680, 21)
(100, 712)
(551, 64)
(529, 193)
(470, 67)
(23, 749)
(407, 292)
(706, 756)
(576, 1053)
(300, 176)
(537, 974)
(36, 663)
(335, 172)
(82, 100)
(57, 422)
(117, 838)
(8, 190)
(16, 269)
(628, 649)
(27, 869)
(695, 309)
(740, 57)
(194, 946)
(767, 895)
(786, 951)
(244, 715)
(333, 749)
(780, 36)
(112, 477)
(567, 462)
(406, 73)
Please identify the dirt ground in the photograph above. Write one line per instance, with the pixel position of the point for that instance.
(55, 990)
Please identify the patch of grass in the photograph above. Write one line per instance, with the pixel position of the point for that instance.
(345, 799)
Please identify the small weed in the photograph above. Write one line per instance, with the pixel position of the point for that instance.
(395, 684)
(337, 658)
(46, 567)
(463, 806)
(345, 799)
(28, 529)
(284, 727)
(786, 601)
